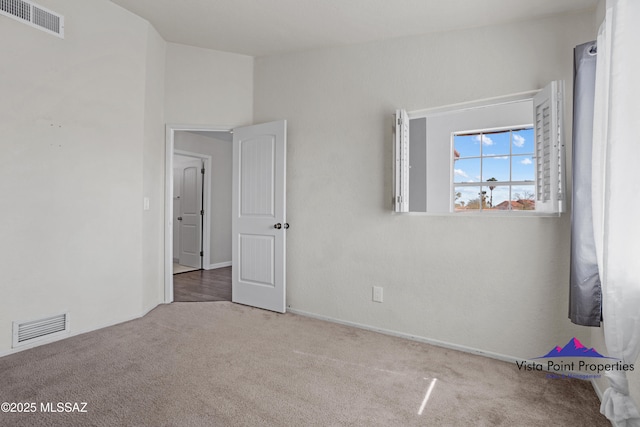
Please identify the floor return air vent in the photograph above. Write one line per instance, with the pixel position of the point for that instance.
(34, 15)
(40, 330)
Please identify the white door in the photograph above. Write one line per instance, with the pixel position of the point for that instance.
(177, 189)
(259, 216)
(190, 219)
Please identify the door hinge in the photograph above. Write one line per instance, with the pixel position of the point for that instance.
(202, 171)
(202, 212)
(399, 121)
(201, 253)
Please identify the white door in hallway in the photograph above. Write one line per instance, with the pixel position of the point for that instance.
(259, 216)
(190, 219)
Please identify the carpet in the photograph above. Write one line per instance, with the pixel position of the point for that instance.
(223, 364)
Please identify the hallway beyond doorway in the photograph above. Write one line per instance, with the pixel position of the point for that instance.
(203, 285)
(177, 268)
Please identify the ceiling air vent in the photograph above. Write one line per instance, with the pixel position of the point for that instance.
(33, 15)
(39, 330)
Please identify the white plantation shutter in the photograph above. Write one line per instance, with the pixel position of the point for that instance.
(549, 148)
(401, 162)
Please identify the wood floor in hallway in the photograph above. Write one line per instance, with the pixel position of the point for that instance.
(203, 285)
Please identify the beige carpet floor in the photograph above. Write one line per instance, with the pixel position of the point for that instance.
(222, 364)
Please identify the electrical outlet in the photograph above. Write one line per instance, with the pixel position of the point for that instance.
(377, 294)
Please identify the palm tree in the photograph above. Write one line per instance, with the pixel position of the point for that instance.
(491, 187)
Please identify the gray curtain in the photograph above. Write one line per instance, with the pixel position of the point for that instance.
(585, 294)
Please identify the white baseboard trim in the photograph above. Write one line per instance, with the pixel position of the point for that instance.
(438, 343)
(74, 333)
(218, 265)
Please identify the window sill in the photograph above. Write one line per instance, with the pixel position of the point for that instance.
(503, 214)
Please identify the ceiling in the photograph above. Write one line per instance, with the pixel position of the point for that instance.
(267, 27)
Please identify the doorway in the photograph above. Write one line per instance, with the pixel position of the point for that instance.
(190, 148)
(258, 212)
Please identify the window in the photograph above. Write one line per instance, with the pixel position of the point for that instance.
(494, 170)
(504, 155)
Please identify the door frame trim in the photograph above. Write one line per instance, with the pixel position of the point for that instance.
(170, 130)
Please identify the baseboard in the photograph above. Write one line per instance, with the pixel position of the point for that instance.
(218, 265)
(75, 333)
(437, 343)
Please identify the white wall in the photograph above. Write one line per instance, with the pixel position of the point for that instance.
(220, 181)
(75, 137)
(82, 122)
(494, 284)
(208, 87)
(601, 10)
(153, 174)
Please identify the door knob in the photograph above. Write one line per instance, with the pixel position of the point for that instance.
(286, 225)
(179, 218)
(278, 226)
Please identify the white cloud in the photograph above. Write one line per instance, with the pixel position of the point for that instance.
(518, 140)
(485, 139)
(526, 161)
(461, 173)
